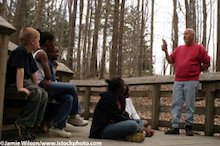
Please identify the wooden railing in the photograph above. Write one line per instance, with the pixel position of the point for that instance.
(209, 91)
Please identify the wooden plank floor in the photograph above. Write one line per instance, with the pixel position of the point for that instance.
(80, 134)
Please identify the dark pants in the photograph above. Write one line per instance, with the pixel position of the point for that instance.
(34, 110)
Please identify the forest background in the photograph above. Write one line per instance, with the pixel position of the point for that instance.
(106, 38)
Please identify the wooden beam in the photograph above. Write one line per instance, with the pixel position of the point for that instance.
(155, 106)
(87, 102)
(147, 80)
(210, 109)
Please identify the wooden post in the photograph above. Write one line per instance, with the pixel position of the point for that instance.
(210, 107)
(155, 106)
(87, 100)
(5, 30)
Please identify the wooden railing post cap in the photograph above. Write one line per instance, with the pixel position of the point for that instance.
(5, 27)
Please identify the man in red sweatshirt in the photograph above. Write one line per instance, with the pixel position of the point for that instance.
(189, 60)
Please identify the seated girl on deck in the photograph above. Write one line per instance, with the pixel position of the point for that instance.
(110, 120)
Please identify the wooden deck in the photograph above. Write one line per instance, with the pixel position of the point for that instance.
(80, 134)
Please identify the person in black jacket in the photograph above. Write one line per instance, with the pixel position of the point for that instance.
(110, 119)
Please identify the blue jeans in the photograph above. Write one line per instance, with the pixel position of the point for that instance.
(121, 129)
(185, 91)
(65, 93)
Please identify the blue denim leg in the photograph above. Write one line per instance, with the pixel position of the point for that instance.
(66, 101)
(140, 124)
(59, 88)
(190, 93)
(120, 130)
(177, 103)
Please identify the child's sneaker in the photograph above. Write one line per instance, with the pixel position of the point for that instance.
(23, 132)
(59, 133)
(137, 137)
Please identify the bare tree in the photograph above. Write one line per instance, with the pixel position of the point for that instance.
(104, 47)
(93, 64)
(60, 18)
(190, 14)
(85, 39)
(141, 45)
(39, 13)
(19, 19)
(2, 9)
(120, 42)
(78, 72)
(114, 53)
(204, 23)
(88, 54)
(151, 38)
(174, 29)
(218, 38)
(139, 49)
(72, 24)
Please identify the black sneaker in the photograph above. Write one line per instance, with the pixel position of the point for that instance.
(23, 132)
(189, 130)
(173, 131)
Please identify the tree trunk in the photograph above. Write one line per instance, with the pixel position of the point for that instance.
(85, 39)
(93, 65)
(145, 47)
(2, 9)
(104, 47)
(187, 16)
(141, 53)
(120, 46)
(174, 30)
(60, 24)
(114, 53)
(78, 72)
(139, 49)
(39, 14)
(88, 55)
(72, 25)
(218, 38)
(19, 20)
(190, 14)
(9, 13)
(204, 23)
(193, 13)
(151, 39)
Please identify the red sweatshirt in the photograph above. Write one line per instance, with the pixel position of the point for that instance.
(187, 61)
